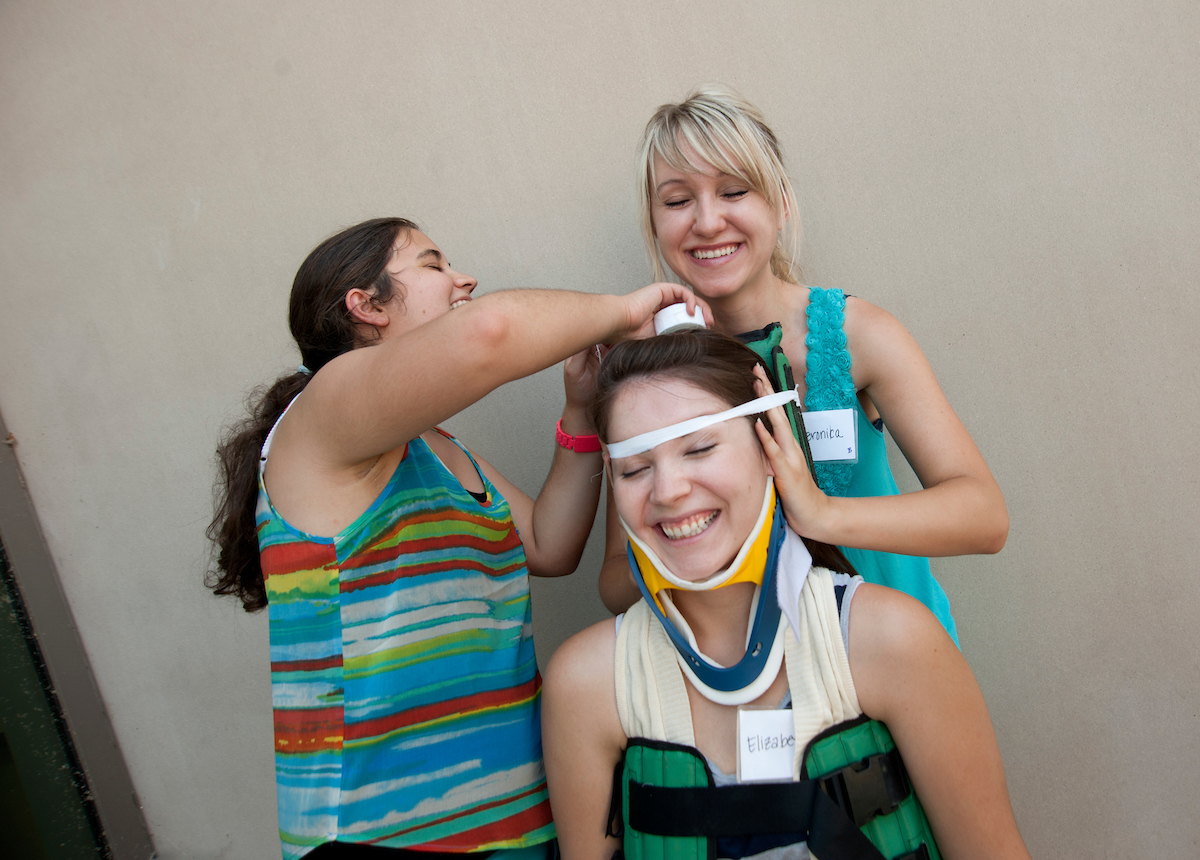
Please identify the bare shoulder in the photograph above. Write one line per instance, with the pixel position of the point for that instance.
(884, 608)
(584, 663)
(579, 704)
(884, 621)
(873, 333)
(895, 642)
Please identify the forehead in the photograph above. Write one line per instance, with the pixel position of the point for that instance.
(666, 174)
(643, 405)
(409, 247)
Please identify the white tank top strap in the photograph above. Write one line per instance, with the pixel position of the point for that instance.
(818, 669)
(262, 457)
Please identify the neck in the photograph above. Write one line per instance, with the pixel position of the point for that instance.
(719, 619)
(765, 300)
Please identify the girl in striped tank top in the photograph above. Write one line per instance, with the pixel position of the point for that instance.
(394, 564)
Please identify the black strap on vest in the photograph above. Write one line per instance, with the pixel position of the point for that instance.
(871, 787)
(830, 810)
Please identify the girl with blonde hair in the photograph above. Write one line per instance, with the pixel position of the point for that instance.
(718, 211)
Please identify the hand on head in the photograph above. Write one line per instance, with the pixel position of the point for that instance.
(579, 378)
(803, 501)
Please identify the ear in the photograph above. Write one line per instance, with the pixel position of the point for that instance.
(363, 309)
(784, 212)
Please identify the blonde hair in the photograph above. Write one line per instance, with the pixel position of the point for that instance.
(725, 131)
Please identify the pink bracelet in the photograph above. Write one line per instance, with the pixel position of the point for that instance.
(580, 444)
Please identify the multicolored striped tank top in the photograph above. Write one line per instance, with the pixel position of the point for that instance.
(406, 693)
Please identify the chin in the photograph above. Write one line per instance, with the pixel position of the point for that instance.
(695, 567)
(715, 290)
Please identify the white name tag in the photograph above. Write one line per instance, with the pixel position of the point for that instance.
(766, 745)
(832, 435)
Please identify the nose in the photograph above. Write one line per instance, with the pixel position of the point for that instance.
(710, 216)
(465, 282)
(669, 486)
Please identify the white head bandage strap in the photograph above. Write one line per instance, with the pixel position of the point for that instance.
(643, 443)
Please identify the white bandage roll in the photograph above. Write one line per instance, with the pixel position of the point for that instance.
(675, 318)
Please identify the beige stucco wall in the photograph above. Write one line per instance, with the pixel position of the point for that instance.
(1017, 182)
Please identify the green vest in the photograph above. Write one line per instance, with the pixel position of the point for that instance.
(860, 805)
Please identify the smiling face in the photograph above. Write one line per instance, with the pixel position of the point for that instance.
(692, 500)
(715, 230)
(427, 286)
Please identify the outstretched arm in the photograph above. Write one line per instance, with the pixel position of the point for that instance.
(582, 741)
(375, 399)
(960, 510)
(909, 675)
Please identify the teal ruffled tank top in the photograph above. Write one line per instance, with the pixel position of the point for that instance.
(830, 386)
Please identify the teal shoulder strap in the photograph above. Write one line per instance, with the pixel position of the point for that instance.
(828, 383)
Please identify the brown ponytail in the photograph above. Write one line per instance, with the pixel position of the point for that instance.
(355, 258)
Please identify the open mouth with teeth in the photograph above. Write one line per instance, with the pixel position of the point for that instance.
(689, 527)
(459, 303)
(714, 253)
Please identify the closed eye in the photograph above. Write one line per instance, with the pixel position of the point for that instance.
(735, 195)
(703, 449)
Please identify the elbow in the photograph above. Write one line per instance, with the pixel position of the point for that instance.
(561, 565)
(618, 591)
(487, 332)
(994, 542)
(560, 558)
(995, 533)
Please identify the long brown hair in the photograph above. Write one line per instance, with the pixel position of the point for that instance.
(323, 329)
(709, 360)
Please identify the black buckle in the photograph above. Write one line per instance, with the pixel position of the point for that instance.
(874, 786)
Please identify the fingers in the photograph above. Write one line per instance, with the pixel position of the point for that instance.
(649, 300)
(693, 301)
(770, 446)
(677, 293)
(762, 386)
(577, 363)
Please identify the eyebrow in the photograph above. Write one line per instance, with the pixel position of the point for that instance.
(430, 252)
(720, 175)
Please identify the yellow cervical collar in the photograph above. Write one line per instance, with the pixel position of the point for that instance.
(748, 565)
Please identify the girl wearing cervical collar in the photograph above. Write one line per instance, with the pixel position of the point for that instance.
(739, 611)
(719, 212)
